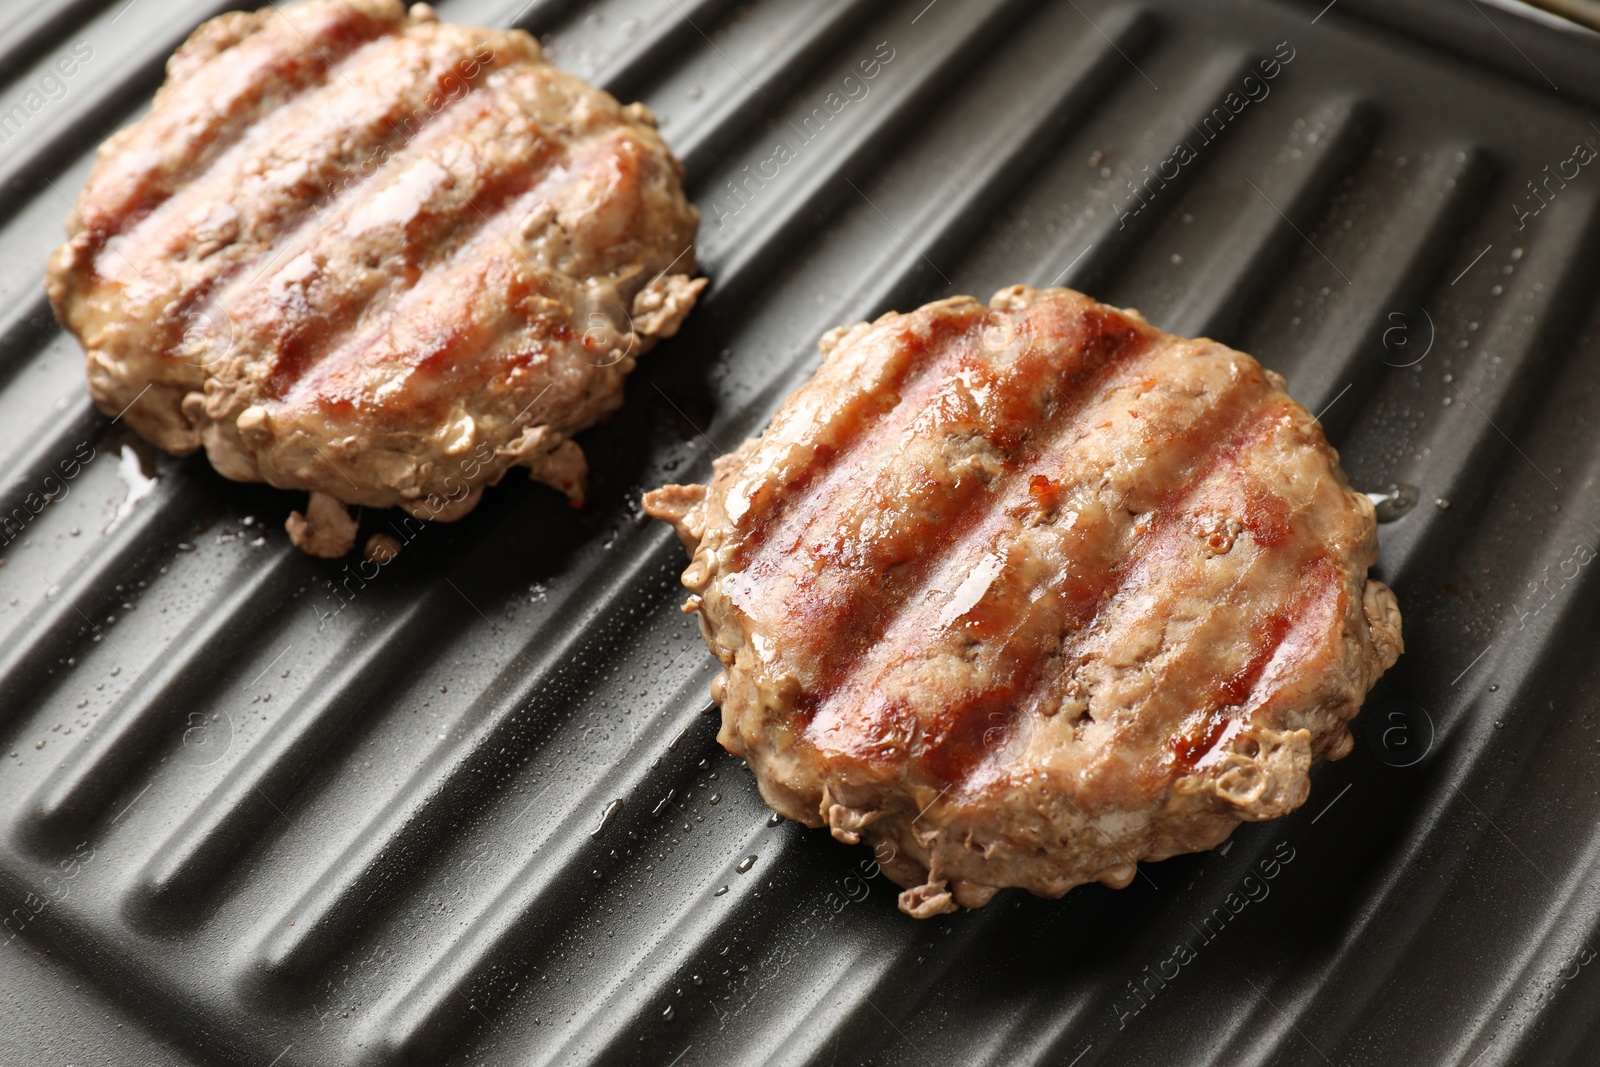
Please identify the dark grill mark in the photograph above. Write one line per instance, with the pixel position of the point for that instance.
(330, 123)
(1051, 383)
(432, 238)
(220, 104)
(1318, 578)
(1082, 597)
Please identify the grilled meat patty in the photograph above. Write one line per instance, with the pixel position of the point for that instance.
(1026, 593)
(354, 250)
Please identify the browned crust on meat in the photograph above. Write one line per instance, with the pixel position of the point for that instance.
(1023, 594)
(357, 251)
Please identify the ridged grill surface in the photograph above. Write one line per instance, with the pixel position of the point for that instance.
(467, 807)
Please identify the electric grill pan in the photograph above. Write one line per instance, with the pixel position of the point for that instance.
(262, 809)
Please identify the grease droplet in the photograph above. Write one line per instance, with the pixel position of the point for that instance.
(607, 815)
(1395, 501)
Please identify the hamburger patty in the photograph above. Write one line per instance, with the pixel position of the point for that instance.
(1026, 593)
(356, 251)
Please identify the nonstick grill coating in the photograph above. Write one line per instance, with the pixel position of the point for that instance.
(467, 807)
